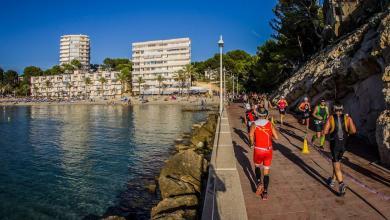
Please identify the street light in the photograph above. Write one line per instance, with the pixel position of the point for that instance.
(220, 44)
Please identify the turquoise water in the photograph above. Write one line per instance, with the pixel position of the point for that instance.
(83, 161)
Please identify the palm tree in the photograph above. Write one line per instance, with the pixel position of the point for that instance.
(87, 82)
(181, 77)
(140, 80)
(35, 91)
(25, 88)
(102, 80)
(48, 85)
(160, 79)
(69, 87)
(189, 71)
(122, 77)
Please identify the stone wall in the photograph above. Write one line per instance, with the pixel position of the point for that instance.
(353, 71)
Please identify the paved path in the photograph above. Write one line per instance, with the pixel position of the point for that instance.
(297, 184)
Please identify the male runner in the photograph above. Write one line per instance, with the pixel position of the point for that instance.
(261, 134)
(282, 105)
(339, 126)
(320, 114)
(250, 116)
(305, 109)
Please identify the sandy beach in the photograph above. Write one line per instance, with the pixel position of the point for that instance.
(160, 100)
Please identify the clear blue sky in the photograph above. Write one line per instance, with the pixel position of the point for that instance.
(30, 30)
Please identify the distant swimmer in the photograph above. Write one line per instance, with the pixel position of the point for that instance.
(339, 126)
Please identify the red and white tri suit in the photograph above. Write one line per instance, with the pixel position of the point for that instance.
(262, 153)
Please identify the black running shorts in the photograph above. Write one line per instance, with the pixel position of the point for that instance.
(337, 149)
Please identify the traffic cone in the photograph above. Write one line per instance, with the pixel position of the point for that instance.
(305, 148)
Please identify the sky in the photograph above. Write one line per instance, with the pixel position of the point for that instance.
(30, 30)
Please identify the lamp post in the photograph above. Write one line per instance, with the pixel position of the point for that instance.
(233, 85)
(220, 44)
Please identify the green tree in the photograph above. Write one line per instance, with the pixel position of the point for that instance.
(87, 82)
(102, 81)
(30, 71)
(189, 72)
(69, 87)
(76, 64)
(11, 78)
(36, 89)
(68, 68)
(48, 85)
(181, 77)
(140, 81)
(1, 76)
(160, 79)
(25, 89)
(116, 63)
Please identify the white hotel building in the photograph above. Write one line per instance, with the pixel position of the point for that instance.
(74, 85)
(75, 47)
(160, 57)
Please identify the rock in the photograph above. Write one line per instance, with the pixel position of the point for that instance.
(152, 187)
(187, 214)
(173, 186)
(172, 204)
(181, 147)
(353, 71)
(186, 163)
(179, 140)
(200, 144)
(383, 137)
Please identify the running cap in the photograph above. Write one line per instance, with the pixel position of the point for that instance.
(282, 97)
(322, 100)
(306, 99)
(338, 107)
(247, 106)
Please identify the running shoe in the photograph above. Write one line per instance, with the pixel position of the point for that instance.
(331, 182)
(342, 189)
(260, 189)
(264, 195)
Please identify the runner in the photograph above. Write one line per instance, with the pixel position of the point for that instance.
(282, 105)
(305, 109)
(339, 126)
(320, 114)
(250, 116)
(261, 133)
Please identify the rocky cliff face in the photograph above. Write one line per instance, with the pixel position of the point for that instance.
(355, 71)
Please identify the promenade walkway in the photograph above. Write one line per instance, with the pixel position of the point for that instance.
(297, 184)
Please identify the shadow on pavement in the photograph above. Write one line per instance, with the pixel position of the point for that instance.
(242, 135)
(285, 151)
(246, 165)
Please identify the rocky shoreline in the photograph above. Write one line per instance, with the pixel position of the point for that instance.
(184, 175)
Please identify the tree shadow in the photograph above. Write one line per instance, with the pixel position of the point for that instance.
(285, 132)
(286, 152)
(245, 163)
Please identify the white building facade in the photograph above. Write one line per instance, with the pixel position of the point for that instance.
(75, 47)
(160, 57)
(76, 85)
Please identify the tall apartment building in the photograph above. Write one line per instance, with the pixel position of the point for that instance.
(75, 47)
(160, 57)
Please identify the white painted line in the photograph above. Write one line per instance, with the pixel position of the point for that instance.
(222, 169)
(224, 132)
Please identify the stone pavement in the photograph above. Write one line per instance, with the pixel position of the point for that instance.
(297, 182)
